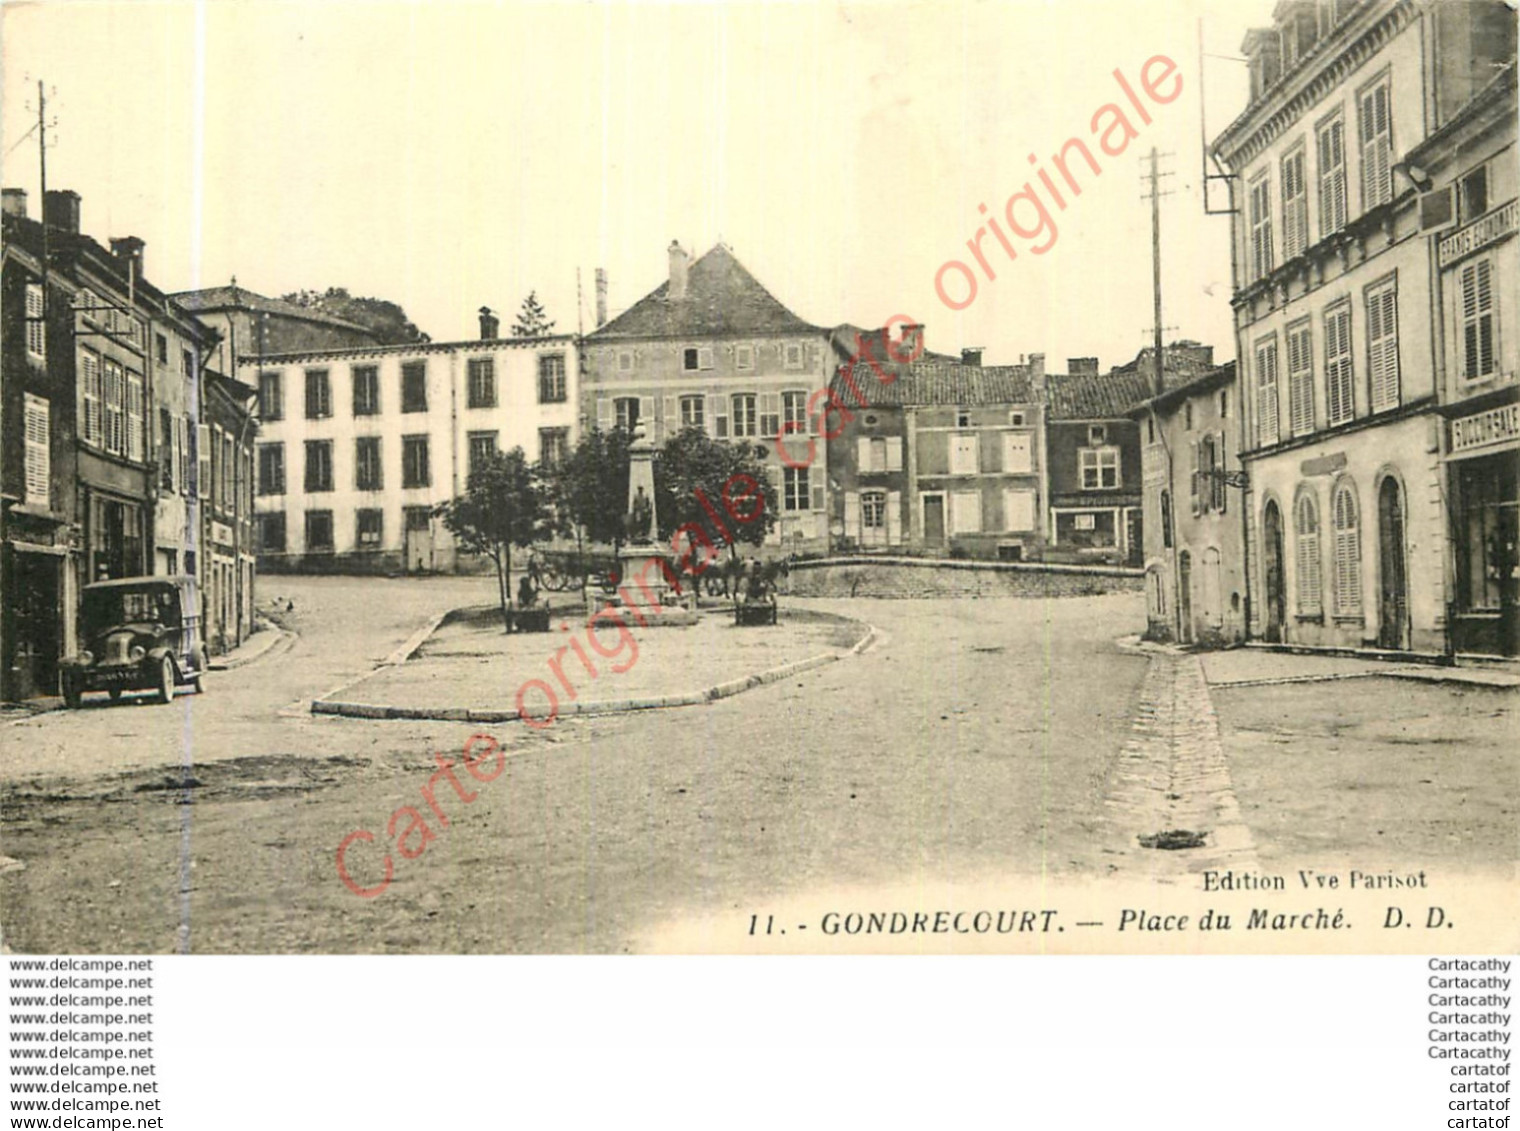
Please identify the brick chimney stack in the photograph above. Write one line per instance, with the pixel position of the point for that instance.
(129, 249)
(601, 297)
(912, 344)
(60, 210)
(1084, 365)
(679, 262)
(971, 355)
(15, 202)
(489, 324)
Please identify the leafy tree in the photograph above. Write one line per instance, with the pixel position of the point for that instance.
(532, 320)
(505, 504)
(385, 319)
(590, 490)
(693, 467)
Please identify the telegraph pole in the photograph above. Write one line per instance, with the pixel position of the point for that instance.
(1157, 382)
(42, 160)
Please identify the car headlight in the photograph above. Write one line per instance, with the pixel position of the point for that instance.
(138, 653)
(86, 658)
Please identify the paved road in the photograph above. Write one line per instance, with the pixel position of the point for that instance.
(978, 738)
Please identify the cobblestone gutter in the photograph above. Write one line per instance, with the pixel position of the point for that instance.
(1172, 779)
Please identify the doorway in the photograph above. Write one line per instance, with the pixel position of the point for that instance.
(1272, 569)
(1185, 597)
(934, 520)
(1393, 596)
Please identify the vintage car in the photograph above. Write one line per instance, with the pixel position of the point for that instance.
(136, 633)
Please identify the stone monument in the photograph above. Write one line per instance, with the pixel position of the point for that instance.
(641, 531)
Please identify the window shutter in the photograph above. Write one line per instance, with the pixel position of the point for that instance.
(894, 518)
(203, 461)
(1383, 348)
(770, 414)
(39, 469)
(717, 416)
(1193, 476)
(646, 414)
(817, 499)
(604, 416)
(36, 328)
(863, 453)
(672, 416)
(1221, 495)
(134, 417)
(894, 453)
(852, 514)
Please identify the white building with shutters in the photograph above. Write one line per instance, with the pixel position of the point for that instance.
(1337, 312)
(356, 447)
(711, 348)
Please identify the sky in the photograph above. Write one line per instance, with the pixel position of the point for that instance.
(451, 155)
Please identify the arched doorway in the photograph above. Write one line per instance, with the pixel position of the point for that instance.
(1185, 596)
(1272, 569)
(1393, 594)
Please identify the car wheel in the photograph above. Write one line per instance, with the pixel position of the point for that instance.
(197, 684)
(166, 680)
(73, 694)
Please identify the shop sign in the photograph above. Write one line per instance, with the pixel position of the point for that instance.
(1483, 231)
(221, 533)
(1486, 429)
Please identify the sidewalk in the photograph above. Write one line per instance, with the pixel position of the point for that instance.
(1259, 667)
(468, 669)
(256, 647)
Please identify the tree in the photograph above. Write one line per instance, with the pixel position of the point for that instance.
(693, 477)
(505, 504)
(591, 486)
(532, 320)
(385, 319)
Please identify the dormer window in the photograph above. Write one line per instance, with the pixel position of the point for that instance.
(1263, 51)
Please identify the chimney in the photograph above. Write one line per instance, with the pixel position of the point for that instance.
(971, 355)
(15, 202)
(489, 324)
(129, 249)
(601, 297)
(912, 345)
(679, 261)
(1084, 365)
(60, 210)
(1037, 367)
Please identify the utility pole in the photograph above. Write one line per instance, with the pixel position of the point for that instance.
(42, 162)
(1157, 383)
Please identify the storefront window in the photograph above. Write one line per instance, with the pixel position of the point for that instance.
(1488, 573)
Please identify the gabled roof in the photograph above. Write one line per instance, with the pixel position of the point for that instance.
(1094, 396)
(934, 382)
(240, 298)
(722, 298)
(69, 251)
(1175, 394)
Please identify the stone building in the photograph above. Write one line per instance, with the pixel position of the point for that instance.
(251, 325)
(358, 446)
(940, 456)
(1190, 471)
(103, 408)
(711, 348)
(1338, 312)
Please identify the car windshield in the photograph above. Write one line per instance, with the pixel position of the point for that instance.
(106, 607)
